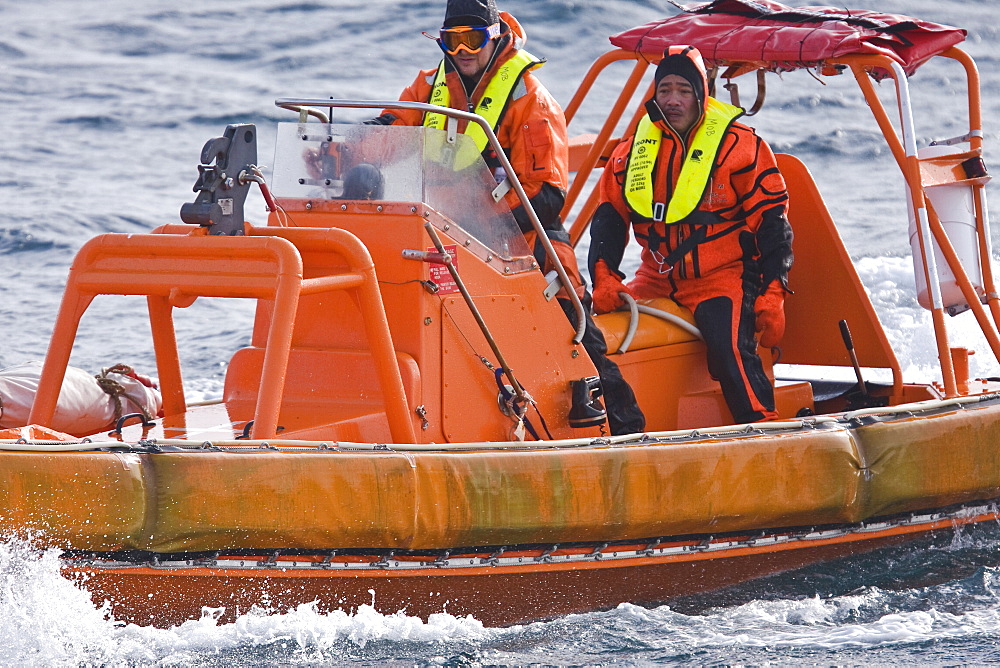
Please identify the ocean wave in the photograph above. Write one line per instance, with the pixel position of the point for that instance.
(10, 51)
(97, 122)
(298, 8)
(47, 620)
(837, 142)
(14, 241)
(51, 620)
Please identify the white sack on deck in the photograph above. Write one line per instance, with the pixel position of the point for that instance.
(83, 407)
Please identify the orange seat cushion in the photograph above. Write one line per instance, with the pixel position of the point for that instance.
(651, 332)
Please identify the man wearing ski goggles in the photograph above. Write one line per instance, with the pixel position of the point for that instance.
(467, 38)
(485, 69)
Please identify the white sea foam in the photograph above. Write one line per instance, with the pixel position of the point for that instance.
(813, 623)
(891, 287)
(301, 630)
(49, 620)
(46, 618)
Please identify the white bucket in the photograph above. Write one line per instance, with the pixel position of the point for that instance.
(956, 210)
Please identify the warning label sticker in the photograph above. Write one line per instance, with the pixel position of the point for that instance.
(440, 274)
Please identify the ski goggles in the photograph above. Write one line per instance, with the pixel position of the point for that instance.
(467, 38)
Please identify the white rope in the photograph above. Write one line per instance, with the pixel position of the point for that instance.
(633, 323)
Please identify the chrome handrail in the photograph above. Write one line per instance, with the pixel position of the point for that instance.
(297, 105)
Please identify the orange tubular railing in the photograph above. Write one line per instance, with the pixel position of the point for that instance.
(910, 167)
(364, 282)
(600, 144)
(178, 269)
(979, 193)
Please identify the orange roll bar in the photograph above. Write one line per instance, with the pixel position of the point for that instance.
(174, 267)
(177, 269)
(168, 364)
(369, 298)
(910, 167)
(600, 143)
(979, 192)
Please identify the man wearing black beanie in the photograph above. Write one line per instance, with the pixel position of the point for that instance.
(480, 43)
(704, 198)
(486, 70)
(470, 13)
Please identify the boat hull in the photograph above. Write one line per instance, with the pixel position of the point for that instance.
(505, 532)
(509, 588)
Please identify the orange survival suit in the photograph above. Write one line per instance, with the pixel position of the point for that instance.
(710, 219)
(532, 130)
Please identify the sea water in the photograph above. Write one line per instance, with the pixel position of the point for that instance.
(105, 107)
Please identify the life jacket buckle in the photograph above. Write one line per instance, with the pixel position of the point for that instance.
(659, 210)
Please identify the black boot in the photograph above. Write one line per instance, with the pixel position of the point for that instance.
(587, 410)
(624, 414)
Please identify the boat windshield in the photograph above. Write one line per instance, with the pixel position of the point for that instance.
(396, 164)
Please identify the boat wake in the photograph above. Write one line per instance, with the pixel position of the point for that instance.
(47, 619)
(890, 285)
(50, 620)
(920, 598)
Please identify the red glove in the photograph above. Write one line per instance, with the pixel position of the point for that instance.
(770, 311)
(607, 285)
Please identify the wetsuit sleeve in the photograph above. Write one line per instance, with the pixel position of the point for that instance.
(418, 91)
(533, 134)
(774, 241)
(547, 205)
(609, 228)
(761, 189)
(387, 118)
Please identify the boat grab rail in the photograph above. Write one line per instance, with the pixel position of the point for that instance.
(60, 446)
(272, 444)
(300, 105)
(845, 420)
(903, 146)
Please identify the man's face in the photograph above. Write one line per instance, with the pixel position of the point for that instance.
(678, 102)
(474, 64)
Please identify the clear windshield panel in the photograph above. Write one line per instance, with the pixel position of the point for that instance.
(397, 164)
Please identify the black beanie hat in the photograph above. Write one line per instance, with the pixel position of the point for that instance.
(470, 13)
(681, 65)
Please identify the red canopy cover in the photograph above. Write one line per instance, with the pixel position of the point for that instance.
(785, 38)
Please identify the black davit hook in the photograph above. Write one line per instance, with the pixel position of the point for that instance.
(221, 192)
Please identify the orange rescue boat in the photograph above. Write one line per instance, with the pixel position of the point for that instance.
(399, 429)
